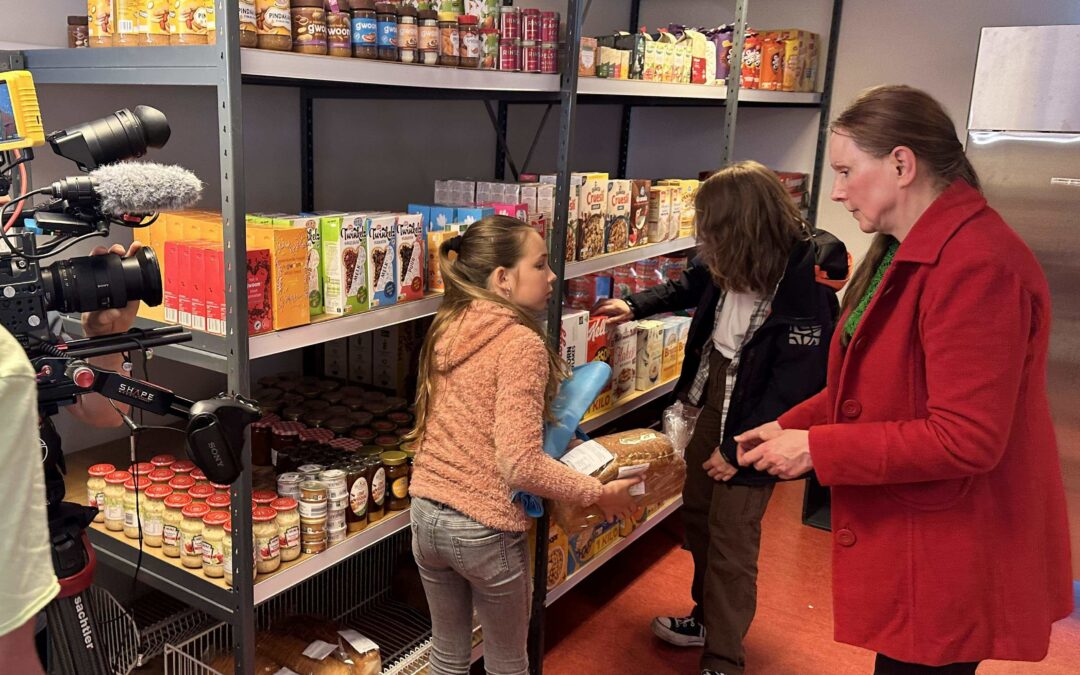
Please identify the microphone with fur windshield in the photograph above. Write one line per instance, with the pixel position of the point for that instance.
(131, 189)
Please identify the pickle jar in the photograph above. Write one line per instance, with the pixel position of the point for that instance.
(191, 531)
(172, 518)
(397, 480)
(141, 469)
(213, 544)
(183, 467)
(135, 505)
(288, 522)
(274, 32)
(95, 488)
(154, 523)
(114, 500)
(376, 490)
(161, 476)
(408, 36)
(249, 28)
(200, 477)
(221, 488)
(263, 497)
(181, 483)
(449, 48)
(162, 461)
(219, 502)
(267, 539)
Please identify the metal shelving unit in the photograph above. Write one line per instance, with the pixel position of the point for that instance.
(225, 66)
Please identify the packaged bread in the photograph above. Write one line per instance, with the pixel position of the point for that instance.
(311, 646)
(636, 452)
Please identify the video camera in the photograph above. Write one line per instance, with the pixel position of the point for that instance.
(111, 192)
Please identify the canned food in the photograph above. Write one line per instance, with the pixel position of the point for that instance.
(509, 54)
(510, 23)
(549, 58)
(549, 27)
(530, 57)
(530, 24)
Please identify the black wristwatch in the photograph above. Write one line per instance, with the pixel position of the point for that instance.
(629, 300)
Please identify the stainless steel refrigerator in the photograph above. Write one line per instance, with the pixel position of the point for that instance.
(1024, 140)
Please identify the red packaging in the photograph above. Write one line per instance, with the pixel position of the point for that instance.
(646, 274)
(672, 267)
(215, 289)
(549, 27)
(260, 309)
(530, 24)
(198, 285)
(751, 61)
(510, 23)
(519, 211)
(509, 55)
(183, 279)
(171, 298)
(599, 350)
(530, 57)
(623, 282)
(549, 58)
(584, 292)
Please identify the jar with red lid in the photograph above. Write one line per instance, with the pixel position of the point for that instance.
(338, 411)
(469, 41)
(267, 539)
(213, 544)
(141, 469)
(181, 483)
(383, 427)
(173, 516)
(509, 55)
(135, 505)
(219, 502)
(162, 461)
(263, 497)
(402, 420)
(286, 435)
(200, 477)
(549, 27)
(365, 435)
(288, 522)
(530, 57)
(388, 442)
(183, 467)
(191, 531)
(161, 476)
(260, 442)
(361, 418)
(200, 492)
(549, 58)
(95, 488)
(530, 25)
(114, 500)
(154, 522)
(221, 488)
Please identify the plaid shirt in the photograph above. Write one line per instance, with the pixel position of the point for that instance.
(697, 389)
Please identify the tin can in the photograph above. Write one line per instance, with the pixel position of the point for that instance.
(510, 23)
(530, 25)
(549, 58)
(530, 57)
(549, 27)
(509, 55)
(489, 60)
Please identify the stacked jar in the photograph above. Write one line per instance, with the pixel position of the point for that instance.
(428, 46)
(509, 39)
(356, 517)
(309, 27)
(191, 531)
(154, 523)
(267, 539)
(386, 19)
(338, 28)
(313, 516)
(549, 42)
(288, 522)
(288, 485)
(135, 505)
(95, 488)
(396, 466)
(227, 555)
(408, 42)
(172, 519)
(192, 22)
(376, 489)
(336, 482)
(274, 25)
(213, 544)
(365, 32)
(114, 500)
(249, 24)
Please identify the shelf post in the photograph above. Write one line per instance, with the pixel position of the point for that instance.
(500, 135)
(307, 151)
(734, 80)
(825, 110)
(234, 233)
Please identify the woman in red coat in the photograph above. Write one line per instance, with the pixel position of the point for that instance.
(950, 540)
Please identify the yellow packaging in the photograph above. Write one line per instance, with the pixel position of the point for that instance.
(154, 237)
(155, 16)
(669, 368)
(586, 545)
(794, 58)
(288, 263)
(659, 213)
(810, 71)
(190, 21)
(100, 15)
(652, 70)
(174, 226)
(128, 24)
(434, 241)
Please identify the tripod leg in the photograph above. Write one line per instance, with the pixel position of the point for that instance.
(73, 631)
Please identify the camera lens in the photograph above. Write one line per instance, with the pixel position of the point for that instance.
(96, 282)
(122, 135)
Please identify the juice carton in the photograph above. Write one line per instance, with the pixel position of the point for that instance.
(314, 265)
(650, 354)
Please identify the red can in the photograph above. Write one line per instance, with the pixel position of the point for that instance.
(530, 57)
(549, 27)
(509, 55)
(530, 25)
(549, 58)
(510, 23)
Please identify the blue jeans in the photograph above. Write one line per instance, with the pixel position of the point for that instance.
(463, 563)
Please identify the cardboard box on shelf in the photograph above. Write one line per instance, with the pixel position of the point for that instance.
(659, 213)
(198, 289)
(669, 366)
(588, 56)
(170, 282)
(573, 223)
(810, 71)
(599, 349)
(314, 264)
(650, 354)
(345, 273)
(639, 212)
(586, 545)
(382, 260)
(573, 337)
(336, 358)
(593, 209)
(395, 356)
(288, 249)
(260, 291)
(795, 45)
(470, 214)
(772, 62)
(410, 257)
(684, 334)
(623, 342)
(617, 230)
(183, 280)
(215, 289)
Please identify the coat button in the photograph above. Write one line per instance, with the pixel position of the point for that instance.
(845, 537)
(851, 408)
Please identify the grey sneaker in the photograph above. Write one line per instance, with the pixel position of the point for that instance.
(681, 631)
(711, 672)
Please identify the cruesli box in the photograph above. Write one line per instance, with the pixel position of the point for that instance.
(345, 272)
(573, 223)
(382, 260)
(639, 212)
(410, 257)
(617, 232)
(650, 354)
(599, 349)
(623, 341)
(314, 266)
(593, 208)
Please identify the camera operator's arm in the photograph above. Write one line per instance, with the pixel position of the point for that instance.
(94, 409)
(27, 580)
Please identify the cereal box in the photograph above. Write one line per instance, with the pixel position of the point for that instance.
(573, 223)
(314, 267)
(659, 213)
(288, 260)
(794, 59)
(650, 354)
(677, 206)
(519, 211)
(669, 368)
(574, 337)
(639, 212)
(344, 254)
(810, 71)
(593, 208)
(600, 350)
(382, 260)
(623, 342)
(442, 217)
(751, 61)
(336, 358)
(260, 285)
(468, 215)
(617, 231)
(434, 242)
(684, 335)
(424, 212)
(410, 262)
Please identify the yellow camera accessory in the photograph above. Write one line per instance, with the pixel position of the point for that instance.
(20, 115)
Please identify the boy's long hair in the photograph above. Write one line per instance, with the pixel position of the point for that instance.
(490, 243)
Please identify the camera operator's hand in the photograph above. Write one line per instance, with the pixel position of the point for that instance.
(109, 321)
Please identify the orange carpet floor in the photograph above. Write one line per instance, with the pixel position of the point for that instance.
(602, 626)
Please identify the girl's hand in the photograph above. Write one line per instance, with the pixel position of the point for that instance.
(615, 500)
(617, 311)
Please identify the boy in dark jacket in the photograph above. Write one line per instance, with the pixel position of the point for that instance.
(763, 285)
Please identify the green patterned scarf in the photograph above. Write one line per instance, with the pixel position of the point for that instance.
(856, 314)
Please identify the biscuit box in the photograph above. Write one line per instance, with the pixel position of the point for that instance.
(345, 279)
(382, 260)
(659, 213)
(650, 354)
(410, 257)
(599, 349)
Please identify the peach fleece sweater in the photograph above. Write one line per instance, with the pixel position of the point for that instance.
(484, 433)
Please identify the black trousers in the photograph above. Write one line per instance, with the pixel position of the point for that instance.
(887, 666)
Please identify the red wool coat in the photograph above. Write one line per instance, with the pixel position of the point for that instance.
(950, 540)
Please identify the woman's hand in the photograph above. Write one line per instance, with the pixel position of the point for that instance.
(718, 467)
(785, 454)
(617, 311)
(749, 440)
(116, 320)
(615, 500)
